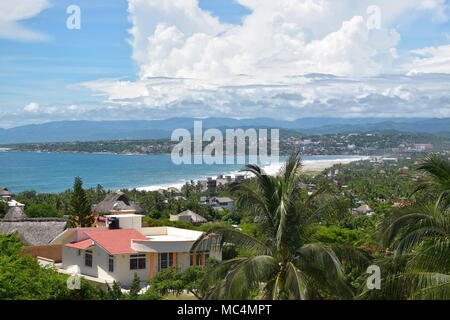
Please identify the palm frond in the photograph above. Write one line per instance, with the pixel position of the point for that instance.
(418, 285)
(296, 283)
(292, 167)
(319, 262)
(244, 277)
(438, 168)
(433, 255)
(351, 257)
(431, 286)
(221, 236)
(407, 227)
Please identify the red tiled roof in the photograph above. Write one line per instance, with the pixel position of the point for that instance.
(117, 241)
(81, 244)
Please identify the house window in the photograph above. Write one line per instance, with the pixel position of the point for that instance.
(137, 261)
(165, 260)
(198, 258)
(111, 264)
(88, 258)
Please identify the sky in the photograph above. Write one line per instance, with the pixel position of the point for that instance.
(284, 59)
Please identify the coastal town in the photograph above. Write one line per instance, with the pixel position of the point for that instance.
(362, 143)
(135, 239)
(224, 158)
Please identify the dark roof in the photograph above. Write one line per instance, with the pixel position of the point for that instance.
(116, 201)
(222, 199)
(5, 192)
(15, 213)
(35, 231)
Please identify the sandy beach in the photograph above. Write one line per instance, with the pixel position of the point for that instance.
(314, 166)
(273, 169)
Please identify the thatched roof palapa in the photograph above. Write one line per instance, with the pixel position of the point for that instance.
(4, 192)
(116, 201)
(15, 213)
(362, 210)
(35, 231)
(189, 215)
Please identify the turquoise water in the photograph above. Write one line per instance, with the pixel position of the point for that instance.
(55, 172)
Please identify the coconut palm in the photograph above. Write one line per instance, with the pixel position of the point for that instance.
(406, 277)
(282, 263)
(408, 228)
(422, 235)
(426, 223)
(417, 265)
(437, 178)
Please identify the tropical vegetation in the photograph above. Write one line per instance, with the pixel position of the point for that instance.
(290, 236)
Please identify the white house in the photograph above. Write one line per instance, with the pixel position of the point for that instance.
(125, 248)
(223, 202)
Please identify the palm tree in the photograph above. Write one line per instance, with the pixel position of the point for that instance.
(283, 263)
(437, 179)
(417, 265)
(420, 238)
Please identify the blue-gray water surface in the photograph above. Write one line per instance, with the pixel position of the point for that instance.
(55, 172)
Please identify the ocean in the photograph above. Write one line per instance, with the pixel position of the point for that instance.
(55, 172)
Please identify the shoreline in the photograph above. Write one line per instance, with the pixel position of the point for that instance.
(161, 154)
(49, 182)
(271, 169)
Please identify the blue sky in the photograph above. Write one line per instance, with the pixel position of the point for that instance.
(44, 70)
(85, 68)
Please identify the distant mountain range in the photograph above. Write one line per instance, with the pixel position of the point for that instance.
(65, 131)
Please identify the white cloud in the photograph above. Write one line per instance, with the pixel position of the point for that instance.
(12, 12)
(73, 107)
(432, 60)
(274, 63)
(32, 107)
(116, 90)
(178, 39)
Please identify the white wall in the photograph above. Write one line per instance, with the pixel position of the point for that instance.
(183, 260)
(122, 273)
(73, 262)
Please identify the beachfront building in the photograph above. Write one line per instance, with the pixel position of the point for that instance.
(188, 216)
(117, 202)
(217, 202)
(118, 252)
(5, 194)
(421, 147)
(211, 184)
(222, 202)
